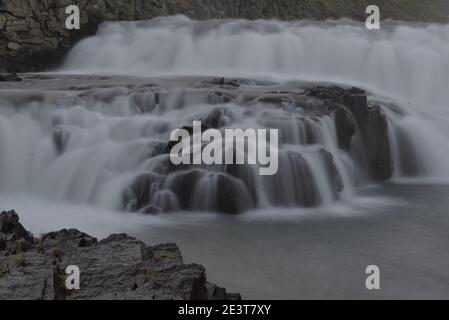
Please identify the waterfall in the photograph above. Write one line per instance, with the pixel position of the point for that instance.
(107, 146)
(410, 61)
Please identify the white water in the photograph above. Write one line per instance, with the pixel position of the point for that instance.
(402, 59)
(88, 148)
(107, 138)
(407, 63)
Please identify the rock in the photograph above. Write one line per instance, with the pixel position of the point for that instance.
(332, 172)
(9, 77)
(117, 268)
(3, 244)
(11, 229)
(373, 126)
(352, 113)
(211, 121)
(222, 192)
(61, 138)
(226, 82)
(140, 193)
(346, 128)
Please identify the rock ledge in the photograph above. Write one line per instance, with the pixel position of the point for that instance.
(116, 268)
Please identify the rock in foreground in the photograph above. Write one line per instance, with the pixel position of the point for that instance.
(118, 267)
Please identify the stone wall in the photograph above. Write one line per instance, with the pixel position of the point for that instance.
(33, 35)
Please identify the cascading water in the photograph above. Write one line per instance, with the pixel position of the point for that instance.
(108, 146)
(405, 62)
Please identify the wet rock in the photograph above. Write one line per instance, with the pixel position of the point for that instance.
(226, 82)
(373, 126)
(224, 193)
(352, 114)
(9, 77)
(61, 138)
(336, 180)
(346, 128)
(116, 268)
(232, 195)
(141, 191)
(307, 195)
(152, 210)
(211, 121)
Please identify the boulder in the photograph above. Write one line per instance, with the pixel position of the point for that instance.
(11, 229)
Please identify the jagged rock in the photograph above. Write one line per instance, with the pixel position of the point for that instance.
(11, 229)
(118, 267)
(351, 113)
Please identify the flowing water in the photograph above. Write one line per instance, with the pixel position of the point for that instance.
(72, 156)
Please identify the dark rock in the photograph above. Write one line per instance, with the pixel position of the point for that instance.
(139, 194)
(231, 195)
(373, 126)
(61, 138)
(117, 268)
(336, 180)
(226, 82)
(346, 128)
(352, 113)
(11, 229)
(9, 77)
(3, 244)
(151, 210)
(211, 121)
(217, 293)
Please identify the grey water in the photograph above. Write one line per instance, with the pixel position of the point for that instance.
(284, 255)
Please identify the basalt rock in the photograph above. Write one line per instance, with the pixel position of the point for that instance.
(346, 128)
(352, 114)
(373, 126)
(117, 268)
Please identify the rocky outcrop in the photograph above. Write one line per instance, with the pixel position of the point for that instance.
(9, 77)
(33, 36)
(118, 267)
(353, 114)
